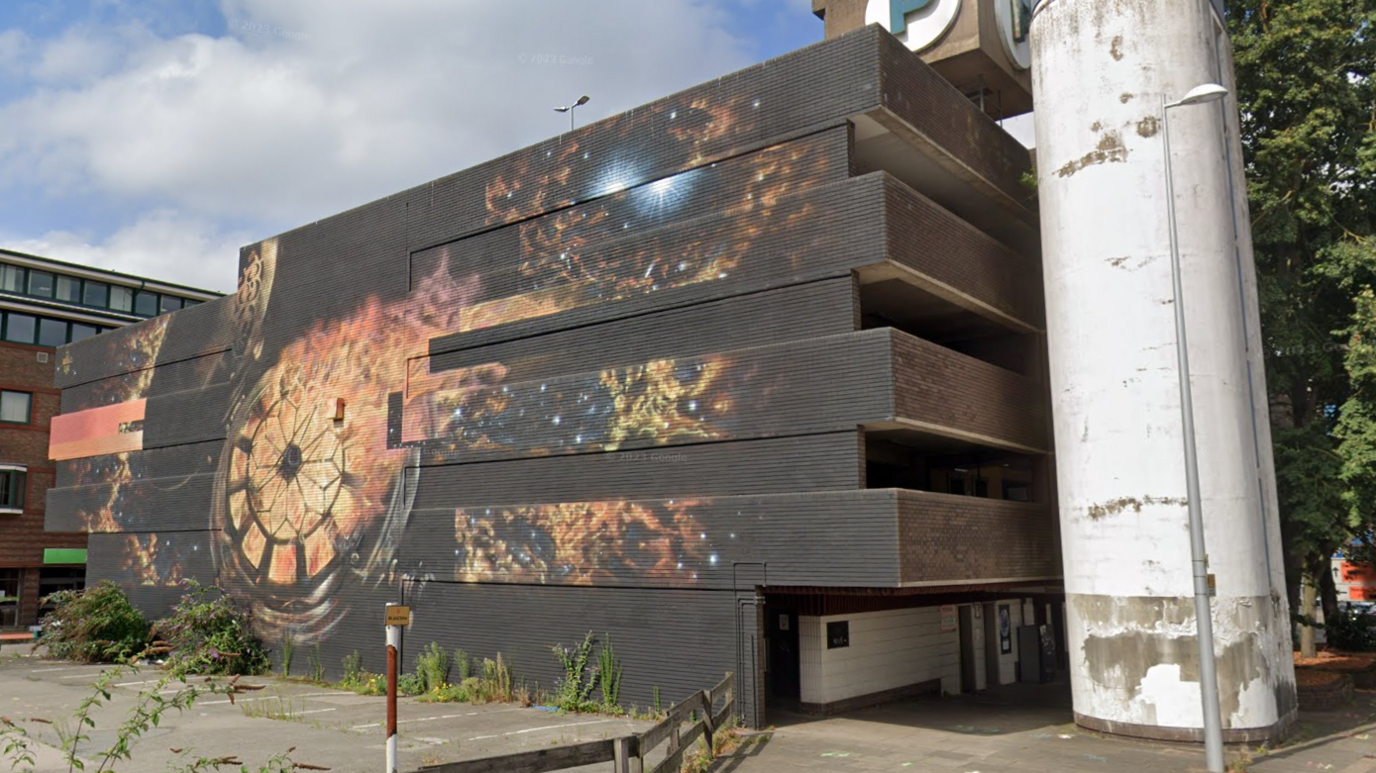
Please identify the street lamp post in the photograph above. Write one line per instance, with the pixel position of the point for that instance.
(1208, 672)
(583, 100)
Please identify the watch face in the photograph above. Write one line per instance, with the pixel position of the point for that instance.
(1015, 24)
(920, 24)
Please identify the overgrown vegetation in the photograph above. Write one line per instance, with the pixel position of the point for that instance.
(96, 625)
(574, 690)
(432, 665)
(208, 633)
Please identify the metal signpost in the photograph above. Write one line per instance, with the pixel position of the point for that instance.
(397, 617)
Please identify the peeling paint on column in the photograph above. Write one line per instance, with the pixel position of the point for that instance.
(1115, 506)
(1109, 150)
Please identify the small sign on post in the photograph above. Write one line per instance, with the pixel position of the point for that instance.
(398, 615)
(1213, 585)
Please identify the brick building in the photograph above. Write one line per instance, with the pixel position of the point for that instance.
(44, 304)
(751, 378)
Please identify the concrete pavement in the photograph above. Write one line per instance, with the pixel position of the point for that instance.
(1029, 729)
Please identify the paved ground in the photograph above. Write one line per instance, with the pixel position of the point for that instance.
(330, 728)
(1021, 728)
(1029, 729)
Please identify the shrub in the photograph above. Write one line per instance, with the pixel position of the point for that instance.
(407, 684)
(464, 664)
(209, 633)
(1352, 631)
(97, 625)
(432, 666)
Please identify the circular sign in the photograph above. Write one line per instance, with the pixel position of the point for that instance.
(1014, 18)
(918, 23)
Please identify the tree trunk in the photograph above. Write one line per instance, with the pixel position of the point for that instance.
(1307, 648)
(1328, 593)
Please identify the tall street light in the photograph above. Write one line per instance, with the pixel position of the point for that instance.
(1208, 673)
(583, 100)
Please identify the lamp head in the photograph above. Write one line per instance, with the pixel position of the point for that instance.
(1207, 92)
(564, 109)
(583, 100)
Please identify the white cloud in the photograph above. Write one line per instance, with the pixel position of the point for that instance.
(310, 107)
(159, 244)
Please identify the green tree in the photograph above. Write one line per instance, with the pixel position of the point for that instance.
(1308, 105)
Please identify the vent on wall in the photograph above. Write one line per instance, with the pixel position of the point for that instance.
(43, 357)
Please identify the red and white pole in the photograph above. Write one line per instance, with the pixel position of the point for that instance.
(393, 650)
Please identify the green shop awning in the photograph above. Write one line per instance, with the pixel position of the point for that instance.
(64, 555)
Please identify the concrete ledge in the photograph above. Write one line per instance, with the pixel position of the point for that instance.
(932, 687)
(1269, 734)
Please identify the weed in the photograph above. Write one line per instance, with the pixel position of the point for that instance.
(657, 707)
(365, 683)
(1241, 762)
(609, 674)
(572, 691)
(353, 666)
(495, 682)
(316, 665)
(287, 646)
(464, 664)
(277, 707)
(432, 666)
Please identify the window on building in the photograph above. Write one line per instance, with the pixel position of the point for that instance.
(12, 488)
(122, 298)
(52, 332)
(68, 289)
(96, 294)
(9, 597)
(80, 331)
(12, 279)
(146, 304)
(40, 284)
(59, 578)
(16, 407)
(189, 302)
(20, 328)
(170, 303)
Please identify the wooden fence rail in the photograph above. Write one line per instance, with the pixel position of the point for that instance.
(627, 753)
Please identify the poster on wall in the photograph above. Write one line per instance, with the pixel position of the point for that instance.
(949, 621)
(1005, 630)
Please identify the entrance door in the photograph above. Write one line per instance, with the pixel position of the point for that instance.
(784, 680)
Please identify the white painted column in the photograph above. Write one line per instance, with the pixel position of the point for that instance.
(1099, 72)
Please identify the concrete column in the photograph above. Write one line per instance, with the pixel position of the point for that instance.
(1100, 70)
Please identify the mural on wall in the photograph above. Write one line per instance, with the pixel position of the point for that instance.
(306, 505)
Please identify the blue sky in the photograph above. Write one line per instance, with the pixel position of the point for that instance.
(157, 136)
